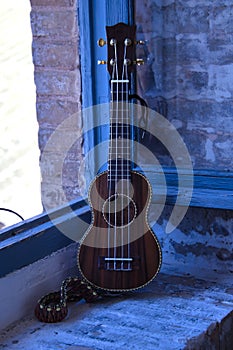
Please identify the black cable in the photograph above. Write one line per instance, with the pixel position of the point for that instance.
(13, 212)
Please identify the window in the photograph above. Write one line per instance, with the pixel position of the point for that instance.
(209, 183)
(19, 152)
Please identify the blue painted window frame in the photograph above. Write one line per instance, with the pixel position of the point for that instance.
(35, 238)
(212, 189)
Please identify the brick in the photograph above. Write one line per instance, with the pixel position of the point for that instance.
(221, 19)
(58, 141)
(194, 114)
(52, 113)
(184, 50)
(192, 20)
(220, 82)
(47, 23)
(71, 193)
(58, 83)
(56, 3)
(71, 173)
(171, 17)
(56, 168)
(51, 168)
(52, 195)
(74, 153)
(194, 3)
(56, 54)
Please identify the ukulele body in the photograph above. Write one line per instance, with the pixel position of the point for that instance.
(119, 252)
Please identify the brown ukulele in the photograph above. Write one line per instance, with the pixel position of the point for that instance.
(119, 252)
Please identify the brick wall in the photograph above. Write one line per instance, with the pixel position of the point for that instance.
(57, 77)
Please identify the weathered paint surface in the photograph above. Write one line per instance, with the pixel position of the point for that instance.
(201, 246)
(163, 315)
(21, 289)
(188, 55)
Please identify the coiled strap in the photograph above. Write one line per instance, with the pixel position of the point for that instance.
(53, 308)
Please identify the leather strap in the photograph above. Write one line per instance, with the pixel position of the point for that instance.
(53, 308)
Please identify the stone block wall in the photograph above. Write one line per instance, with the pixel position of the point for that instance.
(55, 52)
(189, 65)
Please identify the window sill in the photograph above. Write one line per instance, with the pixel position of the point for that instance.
(211, 189)
(26, 242)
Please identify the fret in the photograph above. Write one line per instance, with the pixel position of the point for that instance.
(123, 153)
(119, 136)
(124, 148)
(119, 106)
(115, 162)
(118, 130)
(120, 95)
(120, 117)
(119, 151)
(119, 81)
(120, 90)
(121, 164)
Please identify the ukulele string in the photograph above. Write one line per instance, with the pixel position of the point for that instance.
(110, 161)
(125, 165)
(123, 101)
(116, 159)
(127, 162)
(110, 174)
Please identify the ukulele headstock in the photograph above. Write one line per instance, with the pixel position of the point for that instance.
(121, 46)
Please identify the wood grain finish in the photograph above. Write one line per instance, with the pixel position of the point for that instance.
(135, 242)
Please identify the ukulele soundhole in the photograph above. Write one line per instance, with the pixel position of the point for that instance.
(119, 210)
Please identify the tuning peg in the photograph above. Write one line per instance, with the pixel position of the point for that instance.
(139, 61)
(140, 42)
(101, 42)
(101, 62)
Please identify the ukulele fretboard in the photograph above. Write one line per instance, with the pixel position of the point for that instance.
(119, 164)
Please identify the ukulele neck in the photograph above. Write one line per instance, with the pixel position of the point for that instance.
(119, 164)
(120, 65)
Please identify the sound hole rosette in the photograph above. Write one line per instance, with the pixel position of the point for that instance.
(119, 210)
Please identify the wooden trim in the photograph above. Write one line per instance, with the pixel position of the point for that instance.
(119, 11)
(85, 19)
(29, 241)
(211, 189)
(21, 289)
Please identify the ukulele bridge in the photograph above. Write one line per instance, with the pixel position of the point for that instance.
(117, 264)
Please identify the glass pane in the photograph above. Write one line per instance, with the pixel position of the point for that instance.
(19, 152)
(188, 74)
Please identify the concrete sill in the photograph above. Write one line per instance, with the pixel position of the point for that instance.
(171, 313)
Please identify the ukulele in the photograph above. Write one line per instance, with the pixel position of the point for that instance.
(119, 251)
